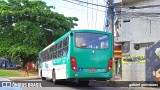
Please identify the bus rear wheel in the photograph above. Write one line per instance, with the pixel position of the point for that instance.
(83, 83)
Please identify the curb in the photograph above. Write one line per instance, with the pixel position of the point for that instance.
(23, 78)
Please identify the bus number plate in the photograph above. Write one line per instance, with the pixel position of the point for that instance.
(92, 70)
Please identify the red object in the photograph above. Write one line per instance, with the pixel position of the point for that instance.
(74, 64)
(31, 66)
(26, 68)
(118, 51)
(109, 65)
(117, 47)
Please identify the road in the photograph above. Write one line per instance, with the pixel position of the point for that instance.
(7, 88)
(71, 86)
(75, 86)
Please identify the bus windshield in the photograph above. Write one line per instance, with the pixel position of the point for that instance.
(91, 40)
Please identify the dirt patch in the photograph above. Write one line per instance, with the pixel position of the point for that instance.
(30, 72)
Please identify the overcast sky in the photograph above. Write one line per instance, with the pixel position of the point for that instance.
(88, 18)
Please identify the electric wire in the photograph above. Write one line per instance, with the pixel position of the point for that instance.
(96, 16)
(90, 3)
(83, 5)
(131, 7)
(87, 16)
(92, 17)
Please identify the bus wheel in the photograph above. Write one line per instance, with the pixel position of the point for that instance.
(43, 78)
(83, 83)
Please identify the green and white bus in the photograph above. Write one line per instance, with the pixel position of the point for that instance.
(80, 55)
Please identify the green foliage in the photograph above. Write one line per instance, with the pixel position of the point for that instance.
(25, 27)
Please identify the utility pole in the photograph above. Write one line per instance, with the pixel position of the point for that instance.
(111, 16)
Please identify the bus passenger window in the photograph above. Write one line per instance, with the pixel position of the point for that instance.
(64, 52)
(65, 47)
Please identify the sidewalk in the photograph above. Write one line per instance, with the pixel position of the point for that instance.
(118, 77)
(23, 78)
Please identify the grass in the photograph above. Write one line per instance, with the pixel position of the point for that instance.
(5, 73)
(15, 73)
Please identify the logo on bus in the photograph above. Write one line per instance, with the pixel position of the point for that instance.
(80, 69)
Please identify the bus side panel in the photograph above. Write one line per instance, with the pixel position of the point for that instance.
(60, 67)
(46, 69)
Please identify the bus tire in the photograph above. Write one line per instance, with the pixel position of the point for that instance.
(83, 83)
(43, 78)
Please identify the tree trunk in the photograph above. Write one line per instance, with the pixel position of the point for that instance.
(24, 61)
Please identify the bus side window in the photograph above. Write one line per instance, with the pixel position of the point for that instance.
(65, 47)
(61, 48)
(54, 54)
(65, 50)
(59, 53)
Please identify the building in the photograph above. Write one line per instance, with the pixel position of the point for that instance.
(139, 27)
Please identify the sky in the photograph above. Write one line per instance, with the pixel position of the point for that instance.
(88, 18)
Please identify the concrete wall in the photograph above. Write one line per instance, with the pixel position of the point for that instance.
(142, 28)
(136, 2)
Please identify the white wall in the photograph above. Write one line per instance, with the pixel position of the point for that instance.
(141, 28)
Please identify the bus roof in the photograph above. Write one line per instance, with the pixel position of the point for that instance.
(80, 30)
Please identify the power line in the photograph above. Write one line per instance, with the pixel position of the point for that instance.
(92, 16)
(83, 5)
(87, 16)
(90, 3)
(99, 4)
(96, 16)
(133, 7)
(72, 8)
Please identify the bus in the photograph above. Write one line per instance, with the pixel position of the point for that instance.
(80, 55)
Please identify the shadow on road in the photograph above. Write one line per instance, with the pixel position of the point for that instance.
(91, 85)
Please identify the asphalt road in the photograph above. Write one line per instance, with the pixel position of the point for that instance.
(71, 86)
(67, 85)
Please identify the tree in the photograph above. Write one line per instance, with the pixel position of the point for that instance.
(27, 26)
